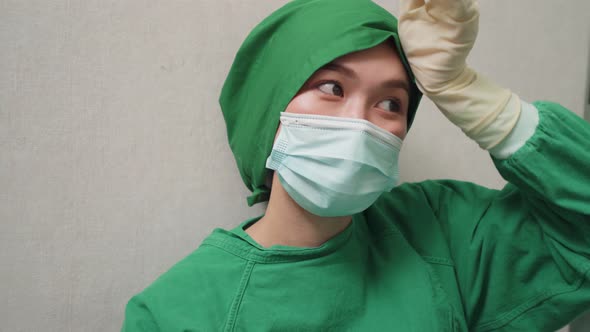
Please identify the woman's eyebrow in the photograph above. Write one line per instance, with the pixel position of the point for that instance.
(391, 84)
(340, 68)
(397, 84)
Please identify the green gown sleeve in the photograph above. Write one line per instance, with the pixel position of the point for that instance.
(138, 317)
(522, 254)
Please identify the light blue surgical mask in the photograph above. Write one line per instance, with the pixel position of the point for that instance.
(333, 166)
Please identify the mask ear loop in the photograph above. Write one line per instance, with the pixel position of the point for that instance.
(268, 179)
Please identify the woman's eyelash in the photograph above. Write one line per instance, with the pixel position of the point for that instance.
(397, 104)
(396, 101)
(336, 84)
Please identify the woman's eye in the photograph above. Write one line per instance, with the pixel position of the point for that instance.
(331, 88)
(391, 105)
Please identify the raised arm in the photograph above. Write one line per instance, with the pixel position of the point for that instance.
(521, 255)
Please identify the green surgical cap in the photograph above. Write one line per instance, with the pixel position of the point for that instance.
(278, 57)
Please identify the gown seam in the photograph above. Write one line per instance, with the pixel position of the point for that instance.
(236, 304)
(438, 260)
(521, 309)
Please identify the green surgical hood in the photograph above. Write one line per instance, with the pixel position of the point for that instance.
(278, 57)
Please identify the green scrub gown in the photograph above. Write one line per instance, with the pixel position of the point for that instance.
(431, 256)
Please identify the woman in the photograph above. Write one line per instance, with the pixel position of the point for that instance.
(317, 103)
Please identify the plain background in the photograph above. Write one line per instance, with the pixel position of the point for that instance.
(114, 161)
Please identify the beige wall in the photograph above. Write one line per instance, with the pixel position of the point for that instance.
(113, 157)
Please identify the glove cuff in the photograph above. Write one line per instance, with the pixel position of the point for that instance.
(484, 111)
(523, 130)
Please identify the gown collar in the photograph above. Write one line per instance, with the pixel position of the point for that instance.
(238, 242)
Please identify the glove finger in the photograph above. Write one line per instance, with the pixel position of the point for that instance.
(409, 5)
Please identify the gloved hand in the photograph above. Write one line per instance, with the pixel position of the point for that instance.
(436, 37)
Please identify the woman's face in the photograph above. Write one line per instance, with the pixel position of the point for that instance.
(371, 84)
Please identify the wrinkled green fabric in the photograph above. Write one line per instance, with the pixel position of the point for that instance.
(276, 59)
(434, 256)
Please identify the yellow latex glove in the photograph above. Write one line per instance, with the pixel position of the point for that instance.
(437, 36)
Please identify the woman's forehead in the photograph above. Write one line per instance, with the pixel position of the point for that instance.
(379, 61)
